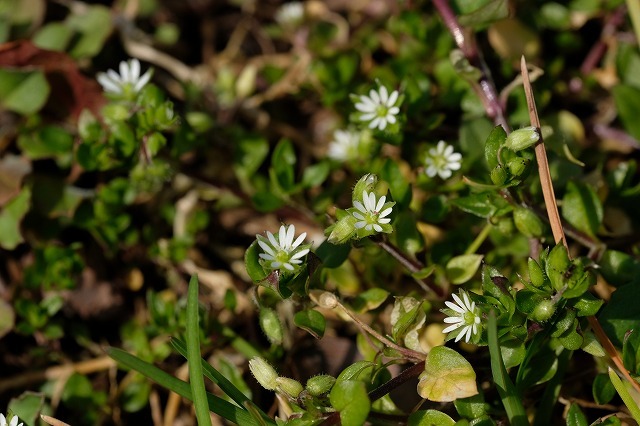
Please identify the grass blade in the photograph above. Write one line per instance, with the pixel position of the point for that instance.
(216, 404)
(626, 397)
(552, 391)
(196, 379)
(510, 399)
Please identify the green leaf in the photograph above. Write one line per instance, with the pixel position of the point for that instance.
(250, 152)
(23, 92)
(472, 407)
(27, 407)
(282, 162)
(491, 11)
(582, 208)
(513, 352)
(575, 416)
(602, 389)
(50, 141)
(94, 24)
(484, 204)
(315, 174)
(617, 267)
(182, 388)
(11, 217)
(54, 36)
(430, 418)
(510, 399)
(622, 313)
(494, 141)
(369, 300)
(354, 370)
(333, 255)
(252, 264)
(350, 398)
(196, 379)
(311, 321)
(135, 395)
(557, 265)
(461, 269)
(408, 237)
(447, 376)
(398, 184)
(627, 100)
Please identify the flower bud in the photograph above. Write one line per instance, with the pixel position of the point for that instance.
(499, 175)
(517, 166)
(522, 138)
(270, 324)
(324, 299)
(528, 222)
(343, 230)
(319, 385)
(264, 373)
(366, 183)
(289, 387)
(543, 311)
(536, 275)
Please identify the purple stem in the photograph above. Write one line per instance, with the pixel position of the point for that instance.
(484, 87)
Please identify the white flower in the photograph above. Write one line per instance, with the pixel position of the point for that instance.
(291, 13)
(378, 108)
(369, 215)
(14, 421)
(466, 316)
(281, 251)
(345, 145)
(129, 80)
(441, 160)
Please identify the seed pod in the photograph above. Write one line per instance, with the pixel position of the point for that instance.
(543, 311)
(518, 166)
(289, 387)
(264, 373)
(319, 385)
(343, 230)
(270, 324)
(522, 138)
(536, 275)
(528, 222)
(499, 175)
(366, 183)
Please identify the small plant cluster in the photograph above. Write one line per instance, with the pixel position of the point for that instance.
(328, 175)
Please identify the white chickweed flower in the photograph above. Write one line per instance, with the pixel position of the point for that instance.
(441, 160)
(281, 251)
(129, 80)
(13, 422)
(290, 14)
(379, 108)
(345, 145)
(467, 316)
(369, 215)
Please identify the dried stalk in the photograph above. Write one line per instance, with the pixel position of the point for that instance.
(554, 218)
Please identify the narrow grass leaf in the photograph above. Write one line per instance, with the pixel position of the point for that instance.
(216, 404)
(196, 379)
(624, 393)
(510, 399)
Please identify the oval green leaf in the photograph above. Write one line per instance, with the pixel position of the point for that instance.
(447, 376)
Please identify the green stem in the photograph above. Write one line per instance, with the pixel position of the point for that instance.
(475, 245)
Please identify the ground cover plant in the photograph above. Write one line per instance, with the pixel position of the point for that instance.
(319, 213)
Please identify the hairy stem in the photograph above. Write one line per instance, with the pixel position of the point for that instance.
(411, 265)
